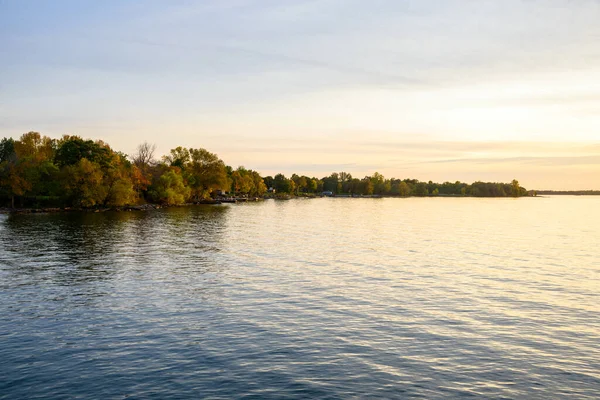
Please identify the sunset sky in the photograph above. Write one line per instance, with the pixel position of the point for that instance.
(433, 90)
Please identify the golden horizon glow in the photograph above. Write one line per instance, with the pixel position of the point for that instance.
(452, 91)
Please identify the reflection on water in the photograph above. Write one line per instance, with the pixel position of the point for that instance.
(75, 248)
(331, 298)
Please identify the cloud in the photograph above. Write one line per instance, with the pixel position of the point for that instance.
(462, 87)
(541, 161)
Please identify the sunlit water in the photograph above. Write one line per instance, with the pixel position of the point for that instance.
(323, 298)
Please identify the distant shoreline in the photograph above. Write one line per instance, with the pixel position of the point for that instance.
(569, 192)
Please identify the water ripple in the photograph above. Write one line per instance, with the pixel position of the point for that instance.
(327, 298)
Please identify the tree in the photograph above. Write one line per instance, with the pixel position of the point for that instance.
(259, 185)
(299, 182)
(421, 189)
(242, 181)
(367, 186)
(117, 178)
(169, 188)
(33, 146)
(144, 156)
(178, 157)
(82, 183)
(7, 149)
(12, 179)
(205, 173)
(345, 180)
(516, 188)
(71, 149)
(143, 161)
(282, 184)
(331, 182)
(26, 166)
(269, 182)
(403, 189)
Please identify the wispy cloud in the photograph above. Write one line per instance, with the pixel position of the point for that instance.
(548, 161)
(442, 87)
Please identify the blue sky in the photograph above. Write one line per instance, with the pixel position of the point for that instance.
(441, 90)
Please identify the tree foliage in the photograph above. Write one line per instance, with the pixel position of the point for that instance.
(169, 188)
(77, 172)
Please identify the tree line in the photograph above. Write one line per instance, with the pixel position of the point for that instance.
(36, 170)
(343, 183)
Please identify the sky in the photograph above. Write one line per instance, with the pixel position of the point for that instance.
(440, 90)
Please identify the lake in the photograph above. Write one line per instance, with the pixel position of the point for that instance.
(323, 298)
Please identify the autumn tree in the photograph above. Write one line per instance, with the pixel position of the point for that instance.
(26, 167)
(403, 189)
(178, 157)
(205, 173)
(169, 188)
(141, 172)
(83, 183)
(92, 174)
(144, 155)
(259, 185)
(300, 183)
(118, 179)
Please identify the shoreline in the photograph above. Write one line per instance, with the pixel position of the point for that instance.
(150, 206)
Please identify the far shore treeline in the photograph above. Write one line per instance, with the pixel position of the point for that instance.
(37, 171)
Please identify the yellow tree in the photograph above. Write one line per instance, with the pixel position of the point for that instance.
(169, 188)
(117, 179)
(205, 173)
(83, 183)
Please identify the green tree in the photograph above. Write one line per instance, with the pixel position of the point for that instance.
(367, 186)
(331, 183)
(71, 149)
(205, 173)
(178, 157)
(117, 178)
(169, 188)
(269, 182)
(282, 184)
(7, 149)
(421, 189)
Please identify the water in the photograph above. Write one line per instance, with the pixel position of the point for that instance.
(323, 298)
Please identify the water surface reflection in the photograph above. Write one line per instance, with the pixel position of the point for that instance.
(326, 298)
